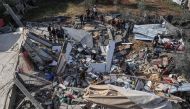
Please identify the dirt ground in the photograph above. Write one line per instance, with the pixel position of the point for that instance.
(71, 8)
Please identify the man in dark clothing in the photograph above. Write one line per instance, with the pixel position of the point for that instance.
(88, 14)
(56, 30)
(129, 28)
(49, 30)
(123, 24)
(102, 19)
(62, 32)
(113, 22)
(45, 37)
(82, 20)
(53, 34)
(155, 41)
(58, 34)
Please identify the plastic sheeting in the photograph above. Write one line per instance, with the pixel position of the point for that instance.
(149, 31)
(80, 36)
(119, 98)
(9, 51)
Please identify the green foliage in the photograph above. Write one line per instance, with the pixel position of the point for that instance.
(173, 6)
(185, 15)
(89, 2)
(141, 5)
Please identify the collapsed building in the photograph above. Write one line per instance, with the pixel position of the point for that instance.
(95, 66)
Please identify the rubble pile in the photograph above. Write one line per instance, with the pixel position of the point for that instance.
(104, 61)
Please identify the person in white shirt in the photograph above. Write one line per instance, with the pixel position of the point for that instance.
(94, 9)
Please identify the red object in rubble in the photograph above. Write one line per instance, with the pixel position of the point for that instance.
(2, 23)
(168, 46)
(71, 96)
(26, 55)
(167, 80)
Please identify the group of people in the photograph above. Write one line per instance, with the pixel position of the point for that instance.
(55, 33)
(90, 14)
(116, 22)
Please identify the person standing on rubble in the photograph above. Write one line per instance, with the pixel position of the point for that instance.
(113, 22)
(49, 30)
(94, 9)
(88, 14)
(155, 41)
(45, 37)
(102, 19)
(82, 20)
(123, 24)
(130, 28)
(59, 36)
(157, 49)
(62, 34)
(53, 34)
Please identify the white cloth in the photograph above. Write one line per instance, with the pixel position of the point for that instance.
(94, 9)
